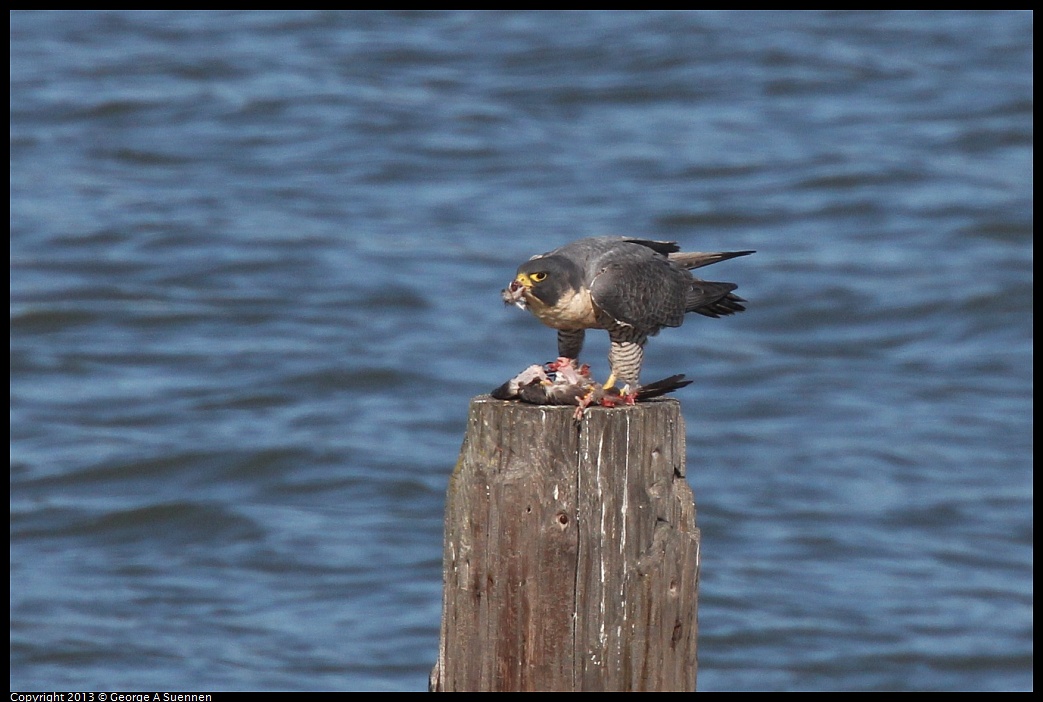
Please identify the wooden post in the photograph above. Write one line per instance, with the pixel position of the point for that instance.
(571, 552)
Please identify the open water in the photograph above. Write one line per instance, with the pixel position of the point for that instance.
(256, 260)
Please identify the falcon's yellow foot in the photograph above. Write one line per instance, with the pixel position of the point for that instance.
(610, 385)
(610, 396)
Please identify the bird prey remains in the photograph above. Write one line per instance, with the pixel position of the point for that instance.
(562, 382)
(632, 288)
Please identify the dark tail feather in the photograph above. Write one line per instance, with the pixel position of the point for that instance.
(662, 387)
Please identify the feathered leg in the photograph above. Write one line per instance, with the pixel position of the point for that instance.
(625, 355)
(570, 342)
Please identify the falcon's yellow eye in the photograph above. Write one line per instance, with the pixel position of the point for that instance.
(538, 277)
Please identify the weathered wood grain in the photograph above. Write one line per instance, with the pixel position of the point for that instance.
(571, 552)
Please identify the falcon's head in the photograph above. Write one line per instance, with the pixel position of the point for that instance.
(552, 288)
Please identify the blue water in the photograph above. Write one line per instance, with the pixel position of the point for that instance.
(256, 260)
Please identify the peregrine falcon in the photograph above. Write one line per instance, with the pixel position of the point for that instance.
(631, 288)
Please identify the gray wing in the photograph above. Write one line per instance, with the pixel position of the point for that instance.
(646, 292)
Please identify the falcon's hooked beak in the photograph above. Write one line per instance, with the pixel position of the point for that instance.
(514, 294)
